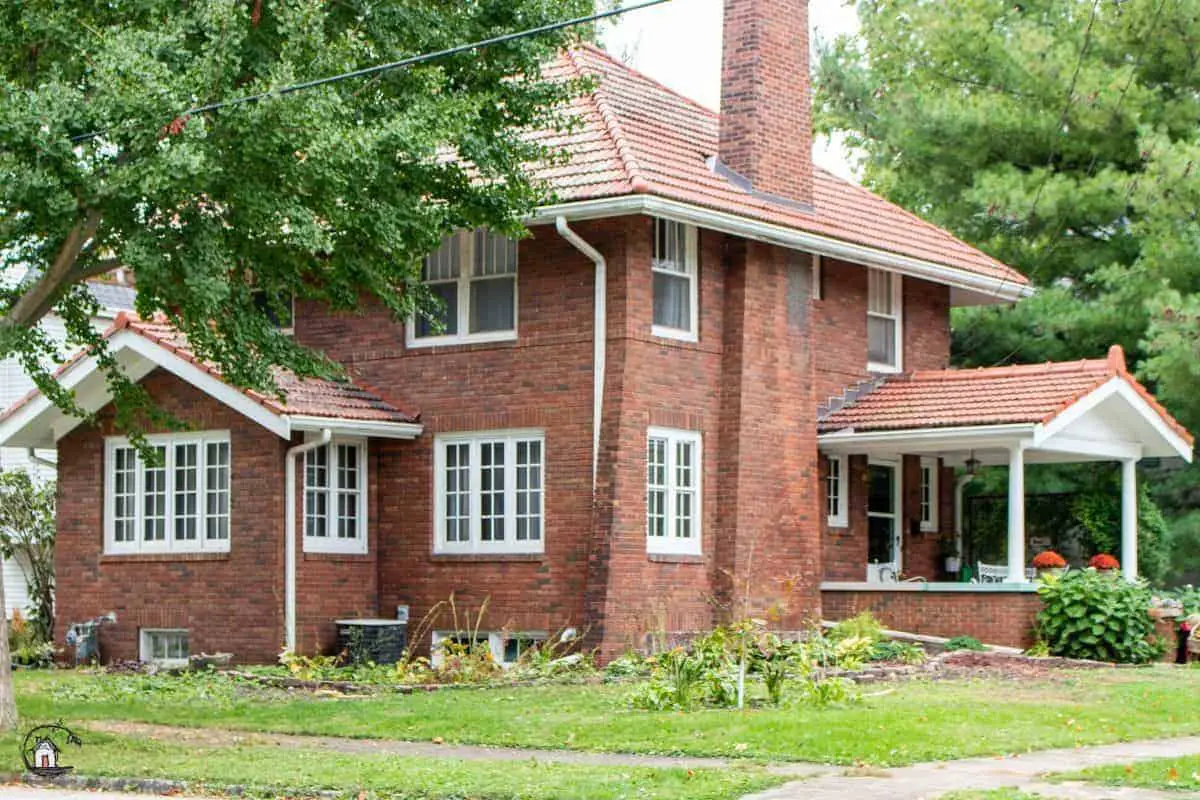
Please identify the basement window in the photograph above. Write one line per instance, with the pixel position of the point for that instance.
(166, 647)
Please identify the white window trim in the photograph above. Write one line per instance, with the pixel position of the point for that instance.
(896, 464)
(202, 544)
(330, 543)
(692, 264)
(466, 262)
(897, 318)
(672, 544)
(475, 545)
(930, 523)
(144, 647)
(495, 640)
(842, 518)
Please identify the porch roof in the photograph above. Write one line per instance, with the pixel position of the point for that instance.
(1082, 410)
(141, 346)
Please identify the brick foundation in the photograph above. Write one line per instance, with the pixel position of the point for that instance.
(992, 617)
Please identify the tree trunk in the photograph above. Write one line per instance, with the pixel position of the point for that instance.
(8, 699)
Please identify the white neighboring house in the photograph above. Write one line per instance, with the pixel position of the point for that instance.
(15, 384)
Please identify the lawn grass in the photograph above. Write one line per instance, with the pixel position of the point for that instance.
(270, 771)
(917, 721)
(1179, 773)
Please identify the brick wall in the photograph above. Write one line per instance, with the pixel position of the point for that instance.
(229, 602)
(1002, 618)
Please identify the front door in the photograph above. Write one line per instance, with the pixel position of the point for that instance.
(883, 521)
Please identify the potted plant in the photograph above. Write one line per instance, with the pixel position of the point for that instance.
(1103, 562)
(1049, 563)
(949, 549)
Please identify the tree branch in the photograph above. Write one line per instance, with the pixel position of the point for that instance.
(39, 298)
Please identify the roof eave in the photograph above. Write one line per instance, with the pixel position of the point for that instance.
(976, 287)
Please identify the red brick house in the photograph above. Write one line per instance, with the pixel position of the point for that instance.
(712, 378)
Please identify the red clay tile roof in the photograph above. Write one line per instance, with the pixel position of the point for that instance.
(312, 397)
(1033, 393)
(637, 137)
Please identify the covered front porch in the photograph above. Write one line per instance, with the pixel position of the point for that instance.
(899, 452)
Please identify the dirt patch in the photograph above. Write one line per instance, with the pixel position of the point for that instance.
(967, 664)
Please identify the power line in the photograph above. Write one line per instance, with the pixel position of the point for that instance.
(404, 62)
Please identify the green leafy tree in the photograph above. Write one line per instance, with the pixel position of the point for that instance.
(1060, 136)
(27, 533)
(331, 194)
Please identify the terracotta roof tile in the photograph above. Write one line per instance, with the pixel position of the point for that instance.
(314, 397)
(1034, 393)
(637, 136)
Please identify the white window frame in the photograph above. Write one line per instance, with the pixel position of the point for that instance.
(144, 646)
(896, 317)
(691, 271)
(475, 544)
(330, 543)
(495, 639)
(929, 494)
(466, 263)
(671, 543)
(839, 517)
(201, 544)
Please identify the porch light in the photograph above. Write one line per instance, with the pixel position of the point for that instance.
(972, 464)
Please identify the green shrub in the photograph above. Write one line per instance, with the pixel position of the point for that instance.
(897, 652)
(1087, 614)
(965, 643)
(674, 683)
(861, 626)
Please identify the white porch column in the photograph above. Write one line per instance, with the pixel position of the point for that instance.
(1129, 519)
(1016, 514)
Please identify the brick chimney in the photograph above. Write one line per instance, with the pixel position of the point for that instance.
(766, 110)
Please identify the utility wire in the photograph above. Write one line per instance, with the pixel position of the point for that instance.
(404, 62)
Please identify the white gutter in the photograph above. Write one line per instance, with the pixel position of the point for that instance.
(999, 288)
(1003, 433)
(600, 327)
(34, 458)
(289, 533)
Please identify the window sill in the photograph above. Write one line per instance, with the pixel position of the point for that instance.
(322, 555)
(113, 558)
(414, 343)
(884, 369)
(481, 557)
(837, 523)
(674, 334)
(675, 558)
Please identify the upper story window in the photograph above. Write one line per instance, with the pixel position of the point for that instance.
(675, 270)
(179, 503)
(885, 338)
(474, 274)
(489, 492)
(335, 497)
(673, 491)
(279, 309)
(929, 494)
(835, 491)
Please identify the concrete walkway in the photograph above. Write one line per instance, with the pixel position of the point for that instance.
(814, 781)
(1024, 772)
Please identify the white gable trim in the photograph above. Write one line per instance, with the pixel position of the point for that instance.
(38, 423)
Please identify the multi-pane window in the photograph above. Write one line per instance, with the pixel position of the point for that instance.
(929, 494)
(154, 504)
(674, 269)
(884, 332)
(168, 647)
(335, 498)
(835, 491)
(474, 275)
(672, 491)
(489, 490)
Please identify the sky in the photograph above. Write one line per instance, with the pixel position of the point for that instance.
(679, 44)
